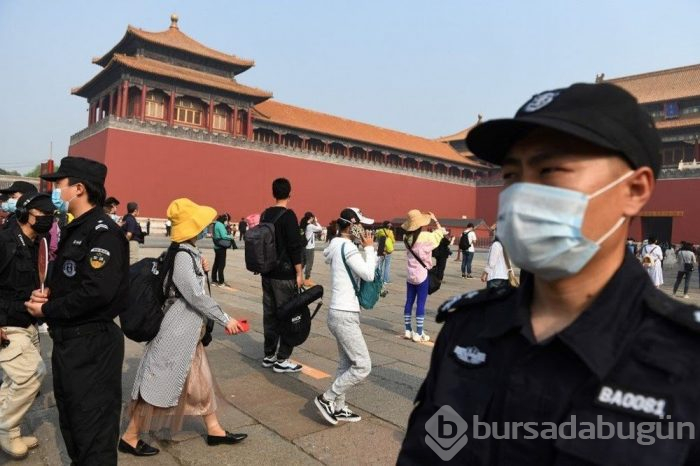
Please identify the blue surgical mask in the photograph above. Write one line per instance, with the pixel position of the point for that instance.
(9, 206)
(202, 235)
(58, 202)
(540, 228)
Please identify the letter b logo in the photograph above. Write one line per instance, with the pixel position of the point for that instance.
(446, 433)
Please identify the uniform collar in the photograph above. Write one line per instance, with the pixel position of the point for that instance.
(83, 218)
(600, 334)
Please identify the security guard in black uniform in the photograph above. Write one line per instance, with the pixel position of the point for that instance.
(20, 356)
(88, 289)
(586, 345)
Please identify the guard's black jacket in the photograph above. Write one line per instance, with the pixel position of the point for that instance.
(632, 356)
(18, 276)
(90, 276)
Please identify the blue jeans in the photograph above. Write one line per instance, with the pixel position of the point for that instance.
(385, 267)
(467, 258)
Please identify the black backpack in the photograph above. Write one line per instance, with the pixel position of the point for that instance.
(141, 320)
(261, 255)
(294, 317)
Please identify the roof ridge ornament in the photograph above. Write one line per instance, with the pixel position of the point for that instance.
(173, 21)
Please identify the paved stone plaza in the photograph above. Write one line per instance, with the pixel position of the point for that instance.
(276, 410)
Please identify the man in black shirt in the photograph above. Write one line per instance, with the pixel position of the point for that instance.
(283, 282)
(132, 230)
(586, 362)
(87, 290)
(20, 360)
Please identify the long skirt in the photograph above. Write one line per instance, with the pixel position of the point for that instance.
(198, 398)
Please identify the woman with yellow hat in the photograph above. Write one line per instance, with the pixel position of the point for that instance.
(173, 379)
(421, 243)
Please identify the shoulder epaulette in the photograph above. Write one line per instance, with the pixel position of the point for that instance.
(680, 313)
(470, 299)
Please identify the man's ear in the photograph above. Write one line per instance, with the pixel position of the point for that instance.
(640, 187)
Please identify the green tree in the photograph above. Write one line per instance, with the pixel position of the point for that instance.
(35, 172)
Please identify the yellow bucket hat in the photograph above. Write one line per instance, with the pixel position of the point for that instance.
(415, 220)
(188, 218)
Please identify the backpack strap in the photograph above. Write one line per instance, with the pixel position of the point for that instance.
(415, 255)
(347, 268)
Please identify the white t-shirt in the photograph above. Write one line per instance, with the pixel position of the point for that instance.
(471, 237)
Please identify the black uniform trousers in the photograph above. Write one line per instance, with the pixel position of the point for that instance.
(87, 382)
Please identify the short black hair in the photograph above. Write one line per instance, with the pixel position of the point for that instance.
(112, 201)
(281, 188)
(95, 192)
(470, 225)
(132, 207)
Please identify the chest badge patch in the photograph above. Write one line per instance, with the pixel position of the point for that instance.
(69, 269)
(98, 258)
(632, 402)
(470, 355)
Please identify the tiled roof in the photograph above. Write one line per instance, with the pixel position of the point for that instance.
(159, 68)
(323, 123)
(459, 135)
(658, 86)
(678, 123)
(174, 38)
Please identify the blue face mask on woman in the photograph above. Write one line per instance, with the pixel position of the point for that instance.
(202, 235)
(9, 206)
(540, 228)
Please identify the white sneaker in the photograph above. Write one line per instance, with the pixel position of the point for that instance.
(408, 334)
(686, 296)
(286, 366)
(421, 338)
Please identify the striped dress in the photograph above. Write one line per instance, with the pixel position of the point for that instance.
(167, 358)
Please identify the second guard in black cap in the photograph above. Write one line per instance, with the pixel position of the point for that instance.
(20, 358)
(87, 290)
(586, 362)
(13, 192)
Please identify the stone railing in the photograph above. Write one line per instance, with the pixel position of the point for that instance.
(196, 134)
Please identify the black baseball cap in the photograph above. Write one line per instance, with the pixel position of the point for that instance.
(39, 201)
(20, 187)
(81, 168)
(603, 114)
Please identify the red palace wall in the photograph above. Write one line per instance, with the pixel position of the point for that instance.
(153, 170)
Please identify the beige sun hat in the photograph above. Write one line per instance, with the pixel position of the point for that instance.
(415, 220)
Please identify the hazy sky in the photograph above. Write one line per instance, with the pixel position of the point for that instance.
(426, 68)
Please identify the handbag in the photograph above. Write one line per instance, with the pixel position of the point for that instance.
(222, 243)
(512, 279)
(687, 266)
(434, 282)
(367, 292)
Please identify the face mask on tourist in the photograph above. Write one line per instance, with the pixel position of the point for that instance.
(540, 228)
(9, 206)
(202, 235)
(357, 231)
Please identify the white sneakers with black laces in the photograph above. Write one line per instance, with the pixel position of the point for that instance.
(329, 413)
